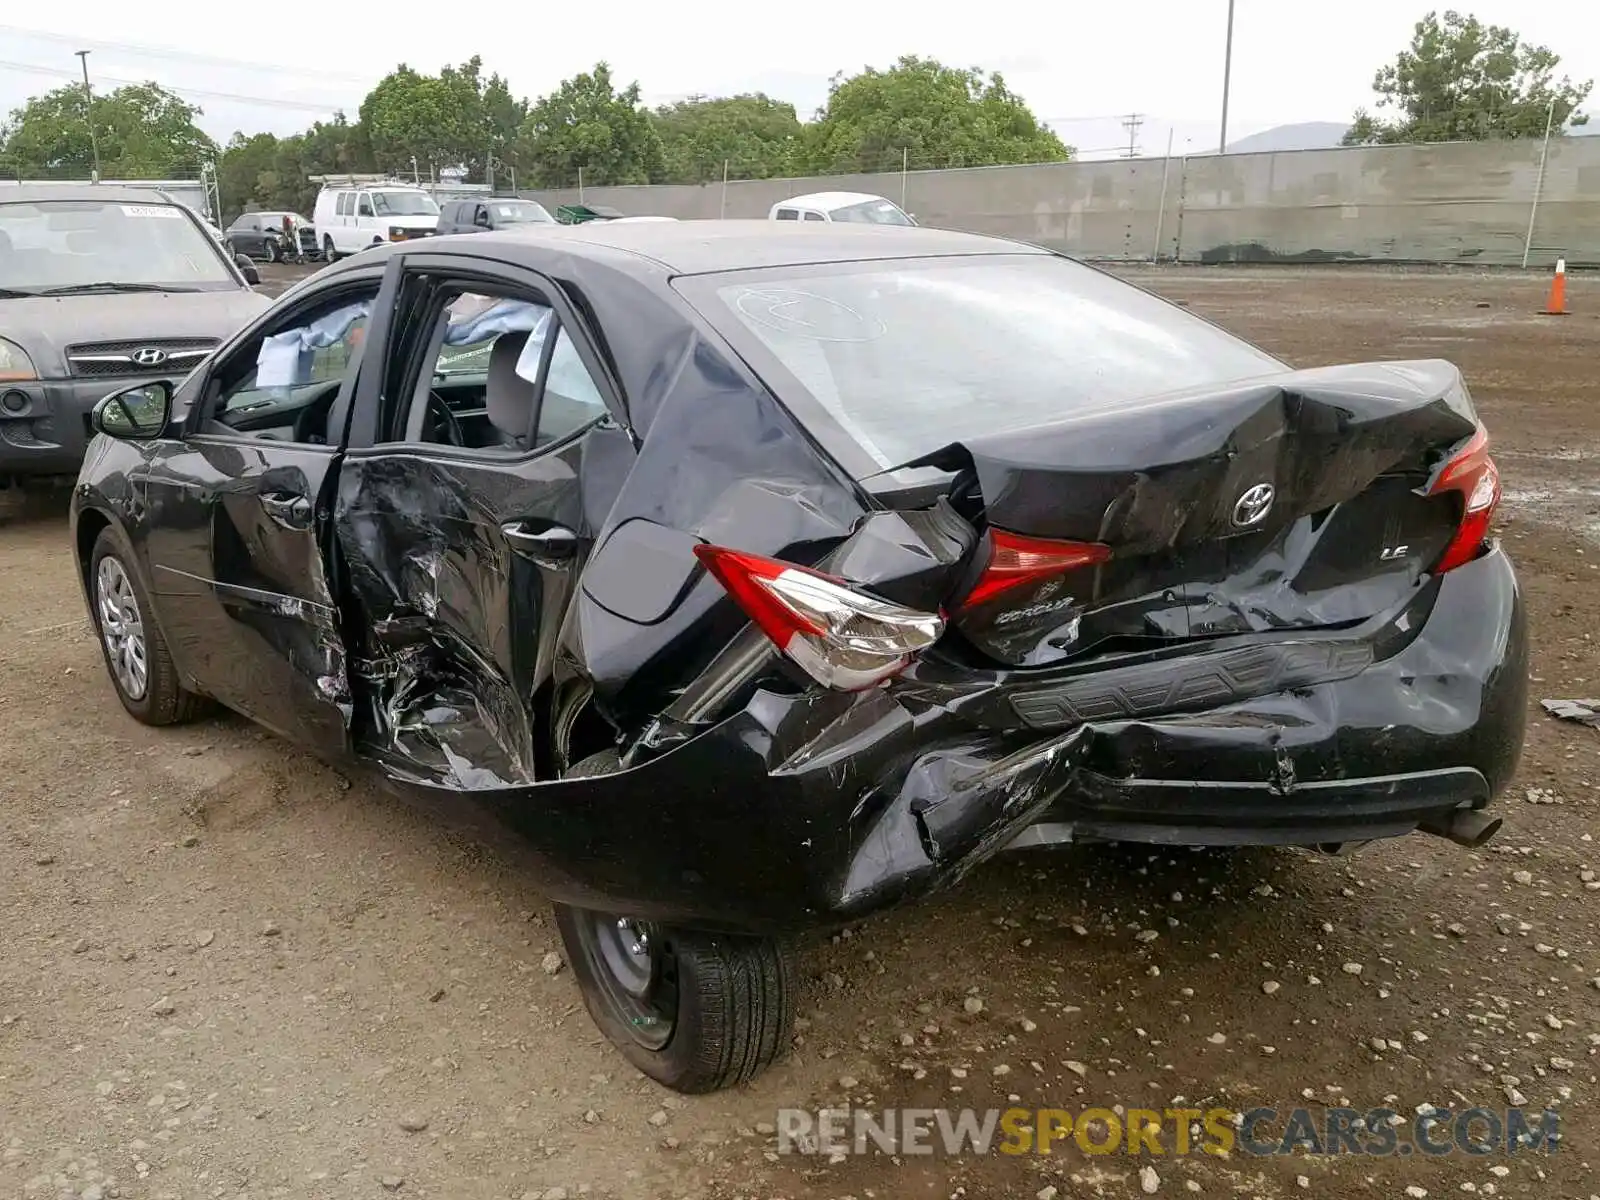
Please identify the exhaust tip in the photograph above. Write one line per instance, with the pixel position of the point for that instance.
(1465, 827)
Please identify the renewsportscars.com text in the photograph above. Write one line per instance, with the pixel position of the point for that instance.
(1221, 1132)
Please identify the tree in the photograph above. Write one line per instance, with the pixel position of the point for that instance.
(455, 118)
(756, 135)
(335, 147)
(587, 125)
(1461, 80)
(247, 173)
(929, 113)
(145, 132)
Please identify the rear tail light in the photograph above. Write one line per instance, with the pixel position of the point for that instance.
(1471, 472)
(839, 637)
(1015, 560)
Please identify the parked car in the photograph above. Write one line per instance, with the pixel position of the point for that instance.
(489, 213)
(100, 286)
(261, 235)
(934, 546)
(349, 218)
(851, 207)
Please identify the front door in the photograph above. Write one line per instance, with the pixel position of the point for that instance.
(240, 518)
(461, 516)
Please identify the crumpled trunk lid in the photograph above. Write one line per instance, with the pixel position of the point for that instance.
(1288, 502)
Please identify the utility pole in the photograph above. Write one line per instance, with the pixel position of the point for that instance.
(88, 96)
(1131, 123)
(1227, 79)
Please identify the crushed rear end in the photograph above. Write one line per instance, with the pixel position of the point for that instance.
(1037, 642)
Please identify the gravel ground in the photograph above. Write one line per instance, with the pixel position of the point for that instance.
(231, 972)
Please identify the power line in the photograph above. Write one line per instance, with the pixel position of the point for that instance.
(319, 106)
(173, 53)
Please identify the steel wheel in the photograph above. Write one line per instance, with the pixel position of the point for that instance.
(638, 974)
(328, 254)
(122, 628)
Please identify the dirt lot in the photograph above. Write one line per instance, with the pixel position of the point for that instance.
(230, 972)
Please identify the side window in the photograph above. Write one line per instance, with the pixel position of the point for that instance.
(499, 375)
(364, 205)
(815, 216)
(343, 207)
(571, 399)
(281, 385)
(788, 214)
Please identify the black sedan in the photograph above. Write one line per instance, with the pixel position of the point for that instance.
(262, 235)
(760, 576)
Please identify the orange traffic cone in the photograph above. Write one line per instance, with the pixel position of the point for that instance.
(1556, 305)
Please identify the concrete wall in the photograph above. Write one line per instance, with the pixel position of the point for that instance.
(1461, 202)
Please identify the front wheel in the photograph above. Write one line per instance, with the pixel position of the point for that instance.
(695, 1011)
(136, 655)
(271, 251)
(328, 252)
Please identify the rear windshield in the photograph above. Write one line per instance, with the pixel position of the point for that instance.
(514, 211)
(908, 356)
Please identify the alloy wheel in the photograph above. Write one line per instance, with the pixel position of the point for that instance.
(122, 628)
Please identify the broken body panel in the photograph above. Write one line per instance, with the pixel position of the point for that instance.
(476, 630)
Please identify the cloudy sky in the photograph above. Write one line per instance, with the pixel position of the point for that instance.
(1080, 66)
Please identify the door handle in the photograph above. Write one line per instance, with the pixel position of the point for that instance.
(288, 510)
(552, 542)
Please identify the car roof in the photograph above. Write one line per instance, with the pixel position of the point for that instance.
(705, 247)
(829, 200)
(27, 193)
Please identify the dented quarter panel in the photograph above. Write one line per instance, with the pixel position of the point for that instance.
(724, 463)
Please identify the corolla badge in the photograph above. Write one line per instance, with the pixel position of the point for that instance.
(1252, 507)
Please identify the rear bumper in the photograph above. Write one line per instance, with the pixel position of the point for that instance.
(50, 433)
(803, 811)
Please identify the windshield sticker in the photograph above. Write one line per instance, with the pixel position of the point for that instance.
(164, 211)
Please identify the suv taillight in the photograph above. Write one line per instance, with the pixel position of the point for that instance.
(1471, 472)
(838, 636)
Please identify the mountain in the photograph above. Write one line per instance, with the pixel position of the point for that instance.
(1307, 135)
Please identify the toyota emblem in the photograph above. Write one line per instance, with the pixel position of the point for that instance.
(150, 356)
(1252, 507)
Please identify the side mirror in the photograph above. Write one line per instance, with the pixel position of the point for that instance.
(134, 414)
(481, 219)
(247, 269)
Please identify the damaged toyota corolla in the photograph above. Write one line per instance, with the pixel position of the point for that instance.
(760, 577)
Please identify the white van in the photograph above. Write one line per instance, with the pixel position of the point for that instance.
(854, 207)
(351, 218)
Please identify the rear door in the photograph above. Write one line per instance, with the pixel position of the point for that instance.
(240, 519)
(461, 515)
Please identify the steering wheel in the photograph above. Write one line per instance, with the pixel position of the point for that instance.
(442, 424)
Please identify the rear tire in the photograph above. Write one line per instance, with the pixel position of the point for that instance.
(695, 1011)
(136, 655)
